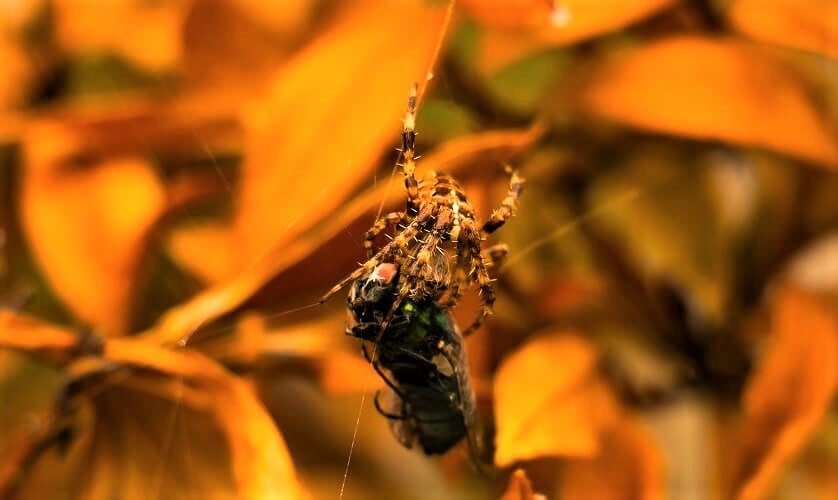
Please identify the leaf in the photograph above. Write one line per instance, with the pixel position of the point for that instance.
(145, 33)
(520, 488)
(227, 46)
(671, 232)
(561, 21)
(206, 250)
(801, 25)
(261, 465)
(32, 336)
(210, 432)
(549, 401)
(628, 467)
(18, 70)
(523, 30)
(327, 116)
(453, 156)
(790, 391)
(309, 346)
(87, 230)
(713, 89)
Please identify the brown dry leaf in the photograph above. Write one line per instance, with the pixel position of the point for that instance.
(147, 34)
(520, 488)
(87, 229)
(313, 139)
(549, 401)
(629, 467)
(713, 89)
(809, 25)
(790, 391)
(214, 435)
(489, 147)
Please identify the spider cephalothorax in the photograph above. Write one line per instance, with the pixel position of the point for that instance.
(436, 243)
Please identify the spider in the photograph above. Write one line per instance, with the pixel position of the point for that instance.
(437, 240)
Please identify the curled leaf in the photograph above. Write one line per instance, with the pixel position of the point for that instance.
(790, 391)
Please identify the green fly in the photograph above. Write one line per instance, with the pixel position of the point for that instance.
(420, 356)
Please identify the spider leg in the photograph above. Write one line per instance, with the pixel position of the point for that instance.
(507, 206)
(393, 219)
(495, 255)
(400, 243)
(481, 276)
(408, 153)
(459, 277)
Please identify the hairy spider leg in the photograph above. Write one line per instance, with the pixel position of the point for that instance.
(481, 275)
(393, 219)
(408, 153)
(420, 271)
(507, 206)
(495, 255)
(399, 244)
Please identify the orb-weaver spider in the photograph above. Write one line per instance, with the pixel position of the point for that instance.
(437, 240)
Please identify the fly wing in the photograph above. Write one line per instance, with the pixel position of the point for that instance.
(403, 429)
(478, 447)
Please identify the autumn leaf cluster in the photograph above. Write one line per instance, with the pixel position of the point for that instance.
(182, 180)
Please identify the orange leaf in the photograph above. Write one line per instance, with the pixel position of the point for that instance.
(18, 70)
(803, 25)
(205, 250)
(342, 372)
(509, 14)
(145, 33)
(87, 229)
(261, 465)
(527, 26)
(329, 114)
(713, 89)
(520, 488)
(790, 391)
(212, 436)
(550, 402)
(211, 433)
(629, 467)
(29, 335)
(226, 45)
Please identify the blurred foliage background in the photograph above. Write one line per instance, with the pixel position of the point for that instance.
(181, 180)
